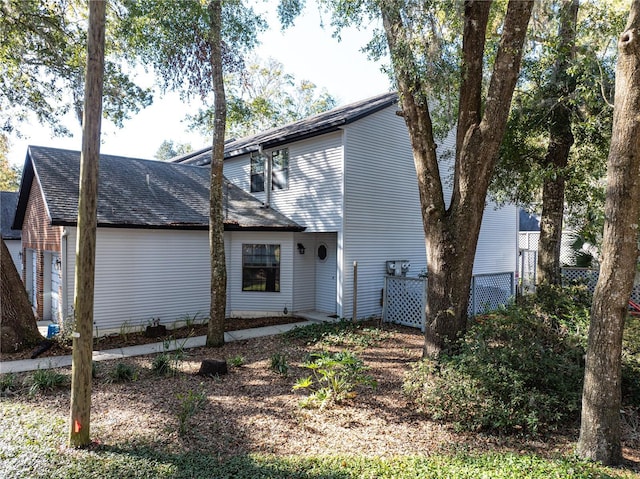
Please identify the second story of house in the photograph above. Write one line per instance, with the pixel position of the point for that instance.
(316, 169)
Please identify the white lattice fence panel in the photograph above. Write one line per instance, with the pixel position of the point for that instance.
(584, 275)
(489, 292)
(405, 301)
(590, 278)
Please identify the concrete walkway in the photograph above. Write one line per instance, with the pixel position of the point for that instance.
(144, 349)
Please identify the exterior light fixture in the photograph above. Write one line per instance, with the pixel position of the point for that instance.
(301, 248)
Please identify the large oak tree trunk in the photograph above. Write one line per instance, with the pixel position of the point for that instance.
(79, 431)
(215, 331)
(451, 233)
(560, 142)
(601, 397)
(18, 327)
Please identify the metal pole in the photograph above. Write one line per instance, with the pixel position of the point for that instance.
(355, 291)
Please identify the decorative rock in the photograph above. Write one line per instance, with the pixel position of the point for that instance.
(156, 331)
(213, 367)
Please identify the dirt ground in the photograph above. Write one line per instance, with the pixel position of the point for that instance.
(253, 409)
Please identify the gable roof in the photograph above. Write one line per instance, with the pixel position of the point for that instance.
(136, 193)
(315, 125)
(8, 203)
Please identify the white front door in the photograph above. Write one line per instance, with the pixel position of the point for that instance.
(326, 272)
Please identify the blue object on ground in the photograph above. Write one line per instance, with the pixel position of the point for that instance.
(52, 330)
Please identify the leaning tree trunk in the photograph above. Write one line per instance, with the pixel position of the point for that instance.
(560, 142)
(601, 397)
(215, 331)
(18, 327)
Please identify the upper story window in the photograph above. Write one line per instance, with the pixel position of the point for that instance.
(257, 172)
(261, 267)
(280, 170)
(278, 162)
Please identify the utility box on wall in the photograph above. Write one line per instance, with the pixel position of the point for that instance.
(398, 267)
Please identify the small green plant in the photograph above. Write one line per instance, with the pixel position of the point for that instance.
(190, 321)
(168, 362)
(122, 372)
(279, 364)
(42, 380)
(236, 361)
(161, 364)
(7, 384)
(190, 404)
(125, 330)
(334, 378)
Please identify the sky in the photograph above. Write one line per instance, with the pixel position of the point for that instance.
(307, 51)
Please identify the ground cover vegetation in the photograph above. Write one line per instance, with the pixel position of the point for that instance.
(503, 403)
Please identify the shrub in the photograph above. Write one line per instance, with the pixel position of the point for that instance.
(519, 369)
(42, 380)
(7, 384)
(335, 376)
(122, 372)
(161, 364)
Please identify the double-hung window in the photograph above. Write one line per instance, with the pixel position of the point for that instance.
(261, 267)
(278, 162)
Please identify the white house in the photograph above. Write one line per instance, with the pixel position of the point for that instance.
(152, 247)
(348, 177)
(304, 203)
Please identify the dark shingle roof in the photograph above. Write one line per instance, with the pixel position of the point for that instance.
(141, 194)
(8, 203)
(319, 124)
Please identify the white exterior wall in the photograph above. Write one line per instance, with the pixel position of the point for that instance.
(382, 214)
(304, 272)
(255, 303)
(314, 197)
(145, 274)
(14, 247)
(382, 211)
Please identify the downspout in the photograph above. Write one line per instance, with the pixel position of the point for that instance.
(63, 267)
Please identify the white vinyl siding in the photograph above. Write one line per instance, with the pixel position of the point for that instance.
(382, 218)
(253, 303)
(14, 247)
(314, 196)
(304, 279)
(146, 274)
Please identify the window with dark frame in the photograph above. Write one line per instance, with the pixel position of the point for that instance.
(279, 170)
(257, 172)
(261, 267)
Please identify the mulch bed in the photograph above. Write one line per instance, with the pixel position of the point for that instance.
(115, 341)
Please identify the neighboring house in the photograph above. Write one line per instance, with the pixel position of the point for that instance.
(348, 176)
(152, 248)
(11, 237)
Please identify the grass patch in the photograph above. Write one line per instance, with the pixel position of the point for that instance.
(31, 439)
